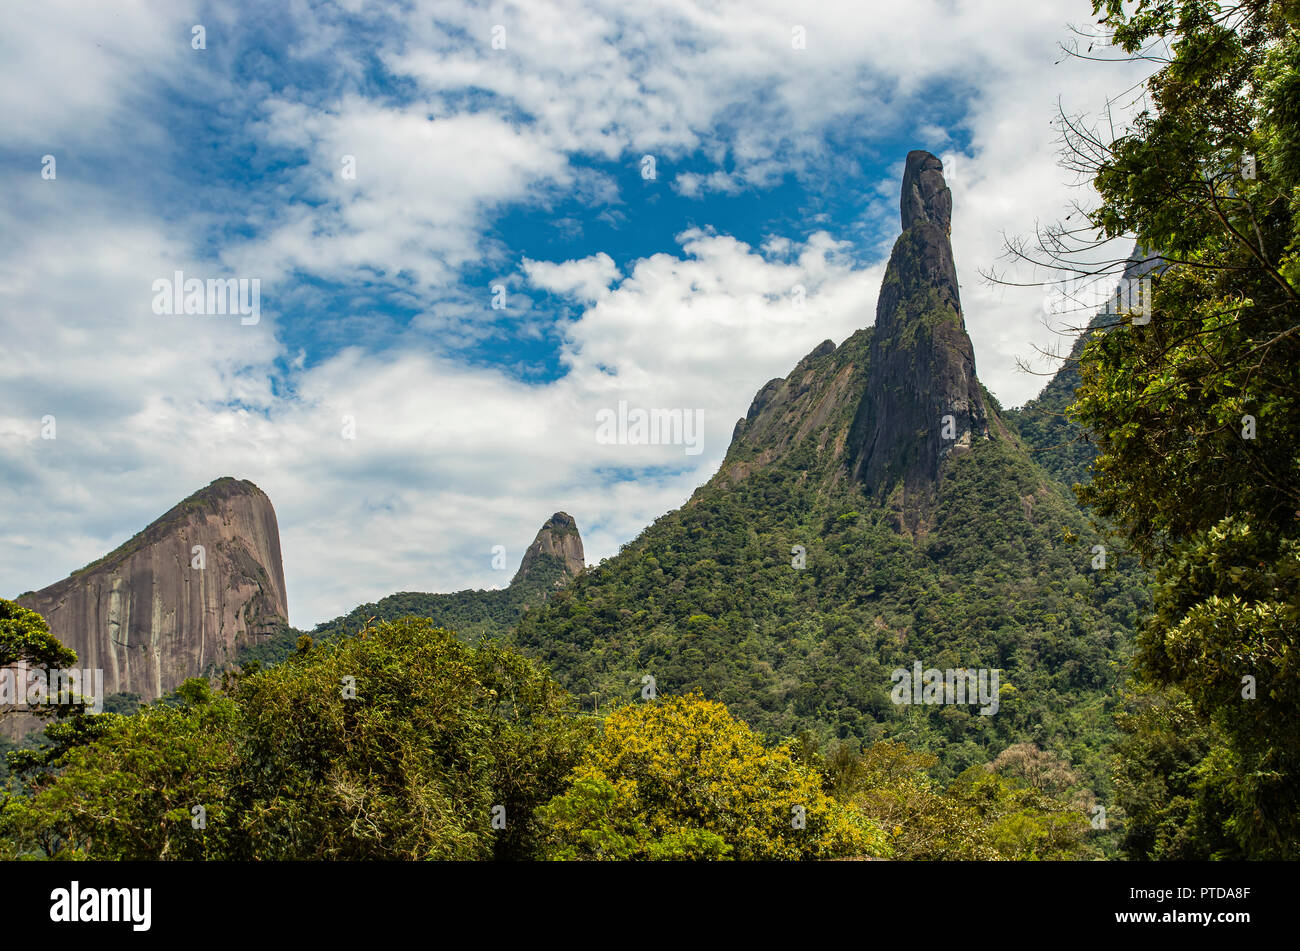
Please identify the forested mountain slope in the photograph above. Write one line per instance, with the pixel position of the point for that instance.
(872, 512)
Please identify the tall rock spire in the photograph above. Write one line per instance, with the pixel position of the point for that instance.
(922, 400)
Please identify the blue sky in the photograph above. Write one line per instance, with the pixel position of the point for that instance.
(500, 145)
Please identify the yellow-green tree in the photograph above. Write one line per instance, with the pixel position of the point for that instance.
(682, 779)
(980, 815)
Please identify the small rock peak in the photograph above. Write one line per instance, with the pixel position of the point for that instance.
(926, 196)
(823, 348)
(559, 538)
(561, 522)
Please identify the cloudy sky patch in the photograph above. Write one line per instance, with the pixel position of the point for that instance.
(474, 229)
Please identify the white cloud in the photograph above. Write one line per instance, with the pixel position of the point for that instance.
(73, 69)
(587, 280)
(401, 192)
(694, 185)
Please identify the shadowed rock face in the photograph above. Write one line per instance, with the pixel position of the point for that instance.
(922, 362)
(558, 538)
(150, 619)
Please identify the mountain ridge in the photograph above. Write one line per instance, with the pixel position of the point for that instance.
(554, 558)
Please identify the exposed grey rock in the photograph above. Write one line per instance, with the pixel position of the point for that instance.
(149, 619)
(922, 362)
(559, 538)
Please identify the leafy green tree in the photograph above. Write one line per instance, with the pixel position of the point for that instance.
(25, 638)
(980, 815)
(1196, 415)
(681, 779)
(1021, 822)
(1168, 778)
(128, 787)
(400, 743)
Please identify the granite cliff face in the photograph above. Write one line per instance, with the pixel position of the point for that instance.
(194, 587)
(558, 538)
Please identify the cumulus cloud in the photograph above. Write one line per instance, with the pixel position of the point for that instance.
(397, 191)
(587, 280)
(74, 69)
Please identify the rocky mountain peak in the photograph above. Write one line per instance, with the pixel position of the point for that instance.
(887, 406)
(197, 585)
(922, 400)
(559, 539)
(926, 196)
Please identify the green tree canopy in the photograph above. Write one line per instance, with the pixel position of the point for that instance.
(400, 743)
(24, 636)
(1196, 414)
